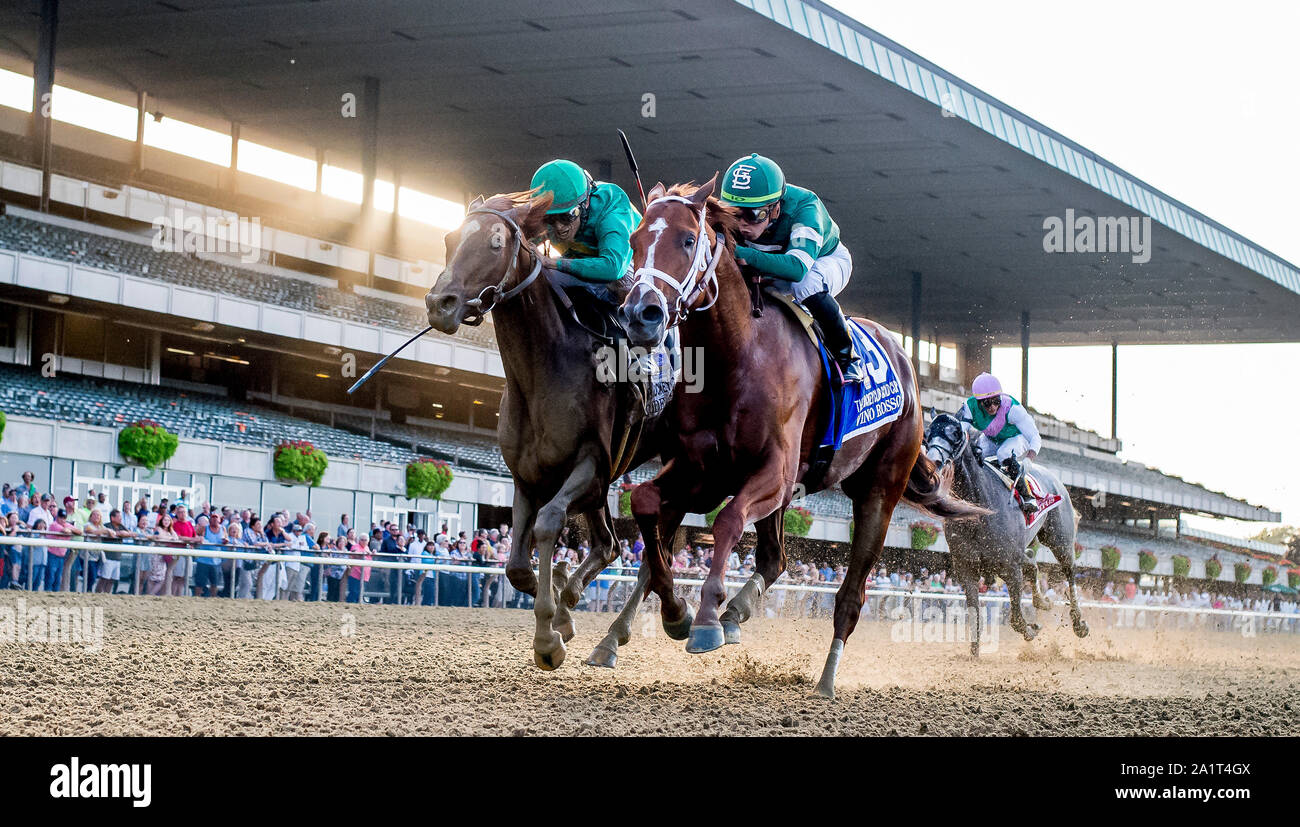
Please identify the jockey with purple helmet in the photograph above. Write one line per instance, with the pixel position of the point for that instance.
(1006, 430)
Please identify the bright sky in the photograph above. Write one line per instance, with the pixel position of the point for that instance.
(1198, 100)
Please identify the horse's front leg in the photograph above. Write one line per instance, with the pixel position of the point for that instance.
(603, 551)
(620, 631)
(548, 645)
(769, 560)
(763, 494)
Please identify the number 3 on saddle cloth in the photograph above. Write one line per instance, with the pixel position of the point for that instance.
(1046, 502)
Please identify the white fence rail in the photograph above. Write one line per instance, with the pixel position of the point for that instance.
(892, 597)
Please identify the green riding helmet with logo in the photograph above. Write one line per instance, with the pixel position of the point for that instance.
(753, 181)
(568, 184)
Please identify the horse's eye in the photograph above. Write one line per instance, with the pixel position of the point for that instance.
(688, 242)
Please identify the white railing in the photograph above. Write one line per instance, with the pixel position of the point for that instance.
(1276, 620)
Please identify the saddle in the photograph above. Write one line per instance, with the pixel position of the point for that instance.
(855, 408)
(1045, 500)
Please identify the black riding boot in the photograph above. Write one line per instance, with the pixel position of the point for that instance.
(826, 311)
(1017, 472)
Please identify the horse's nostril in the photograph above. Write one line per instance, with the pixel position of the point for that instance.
(447, 303)
(652, 314)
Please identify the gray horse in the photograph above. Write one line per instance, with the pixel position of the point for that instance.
(996, 545)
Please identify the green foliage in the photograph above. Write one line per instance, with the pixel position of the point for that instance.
(1146, 560)
(1109, 558)
(798, 521)
(427, 478)
(2, 426)
(1293, 578)
(924, 534)
(713, 515)
(1270, 575)
(1078, 550)
(300, 461)
(1182, 565)
(1240, 571)
(147, 442)
(1213, 568)
(625, 500)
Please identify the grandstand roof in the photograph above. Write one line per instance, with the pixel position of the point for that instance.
(475, 94)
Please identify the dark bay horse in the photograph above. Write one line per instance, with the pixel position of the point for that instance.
(995, 544)
(565, 432)
(750, 432)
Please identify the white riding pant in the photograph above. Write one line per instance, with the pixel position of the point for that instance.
(1015, 446)
(830, 272)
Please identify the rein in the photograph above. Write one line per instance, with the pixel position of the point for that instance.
(945, 448)
(702, 278)
(483, 303)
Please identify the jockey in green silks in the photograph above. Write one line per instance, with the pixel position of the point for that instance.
(590, 224)
(789, 236)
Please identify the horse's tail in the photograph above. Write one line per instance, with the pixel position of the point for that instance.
(930, 489)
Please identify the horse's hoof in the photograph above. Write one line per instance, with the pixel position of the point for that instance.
(681, 629)
(550, 660)
(605, 654)
(730, 632)
(1081, 628)
(1044, 606)
(1031, 631)
(565, 628)
(975, 650)
(825, 689)
(705, 638)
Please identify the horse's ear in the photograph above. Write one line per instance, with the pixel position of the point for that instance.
(477, 202)
(706, 189)
(532, 216)
(657, 191)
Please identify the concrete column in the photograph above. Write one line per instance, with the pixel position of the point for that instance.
(141, 104)
(916, 322)
(1114, 390)
(234, 157)
(1024, 358)
(973, 358)
(369, 166)
(42, 92)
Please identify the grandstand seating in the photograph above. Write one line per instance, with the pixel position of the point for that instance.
(138, 258)
(192, 415)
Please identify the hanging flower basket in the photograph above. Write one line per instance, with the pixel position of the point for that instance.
(1213, 568)
(1146, 560)
(1109, 558)
(1293, 578)
(1182, 565)
(1269, 576)
(298, 461)
(924, 535)
(625, 499)
(2, 426)
(1240, 571)
(1078, 550)
(427, 478)
(146, 443)
(798, 521)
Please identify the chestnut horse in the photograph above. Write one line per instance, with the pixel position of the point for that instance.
(565, 432)
(752, 429)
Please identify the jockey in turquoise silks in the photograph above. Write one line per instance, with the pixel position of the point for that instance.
(1006, 430)
(788, 235)
(590, 224)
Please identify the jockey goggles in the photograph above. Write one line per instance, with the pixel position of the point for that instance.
(756, 215)
(565, 217)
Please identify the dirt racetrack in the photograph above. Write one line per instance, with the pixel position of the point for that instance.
(173, 666)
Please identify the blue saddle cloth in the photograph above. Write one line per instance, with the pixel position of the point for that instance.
(861, 407)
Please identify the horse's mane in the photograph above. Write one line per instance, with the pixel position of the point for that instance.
(720, 217)
(532, 223)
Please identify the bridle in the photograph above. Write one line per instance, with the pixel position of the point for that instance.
(702, 278)
(482, 304)
(947, 450)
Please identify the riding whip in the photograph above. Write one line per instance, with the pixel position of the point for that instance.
(384, 360)
(631, 161)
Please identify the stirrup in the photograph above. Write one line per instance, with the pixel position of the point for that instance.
(853, 371)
